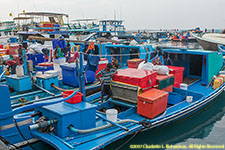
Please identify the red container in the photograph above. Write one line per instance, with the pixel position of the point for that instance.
(138, 77)
(152, 103)
(133, 63)
(45, 64)
(178, 75)
(177, 85)
(1, 46)
(13, 49)
(77, 98)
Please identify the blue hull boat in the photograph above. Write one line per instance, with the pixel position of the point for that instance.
(86, 125)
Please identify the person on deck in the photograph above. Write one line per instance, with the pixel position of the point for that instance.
(58, 52)
(20, 53)
(12, 65)
(107, 75)
(115, 63)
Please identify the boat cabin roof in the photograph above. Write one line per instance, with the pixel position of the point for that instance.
(47, 14)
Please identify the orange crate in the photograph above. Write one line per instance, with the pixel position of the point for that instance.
(77, 98)
(152, 103)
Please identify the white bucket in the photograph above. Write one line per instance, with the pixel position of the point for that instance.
(19, 71)
(189, 99)
(111, 114)
(183, 86)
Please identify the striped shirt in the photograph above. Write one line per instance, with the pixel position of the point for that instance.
(106, 76)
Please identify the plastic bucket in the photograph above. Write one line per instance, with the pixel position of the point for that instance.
(111, 114)
(77, 98)
(183, 86)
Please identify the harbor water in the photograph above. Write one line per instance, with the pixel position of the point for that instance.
(203, 130)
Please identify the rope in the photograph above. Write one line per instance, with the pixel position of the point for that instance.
(9, 143)
(128, 140)
(23, 135)
(144, 124)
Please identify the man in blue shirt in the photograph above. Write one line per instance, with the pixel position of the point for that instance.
(107, 75)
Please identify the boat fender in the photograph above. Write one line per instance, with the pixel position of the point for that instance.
(145, 123)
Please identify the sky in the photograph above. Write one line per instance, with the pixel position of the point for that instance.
(137, 14)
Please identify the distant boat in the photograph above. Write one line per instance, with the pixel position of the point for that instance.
(210, 41)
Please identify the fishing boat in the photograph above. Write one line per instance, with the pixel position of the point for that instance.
(210, 41)
(7, 27)
(141, 100)
(40, 75)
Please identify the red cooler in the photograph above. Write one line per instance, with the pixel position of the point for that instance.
(138, 77)
(152, 103)
(178, 75)
(133, 63)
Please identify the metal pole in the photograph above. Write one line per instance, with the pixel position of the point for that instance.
(24, 62)
(82, 85)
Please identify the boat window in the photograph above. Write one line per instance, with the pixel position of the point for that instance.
(134, 53)
(96, 51)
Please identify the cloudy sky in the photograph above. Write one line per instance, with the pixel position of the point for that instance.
(137, 14)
